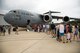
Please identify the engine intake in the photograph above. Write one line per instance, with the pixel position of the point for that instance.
(47, 18)
(66, 19)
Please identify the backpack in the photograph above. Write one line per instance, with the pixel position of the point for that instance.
(52, 26)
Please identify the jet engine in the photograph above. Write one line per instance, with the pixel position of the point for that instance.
(47, 18)
(66, 19)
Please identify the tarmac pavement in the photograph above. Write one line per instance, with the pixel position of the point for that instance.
(34, 42)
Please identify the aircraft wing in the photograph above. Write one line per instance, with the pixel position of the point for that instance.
(60, 17)
(66, 18)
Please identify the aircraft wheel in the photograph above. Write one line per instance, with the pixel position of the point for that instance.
(14, 29)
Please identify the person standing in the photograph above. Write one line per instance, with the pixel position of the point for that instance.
(38, 28)
(68, 33)
(4, 30)
(61, 32)
(1, 27)
(44, 28)
(79, 31)
(70, 30)
(47, 28)
(76, 32)
(0, 30)
(57, 33)
(52, 26)
(9, 30)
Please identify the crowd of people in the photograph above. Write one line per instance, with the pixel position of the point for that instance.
(3, 29)
(67, 32)
(63, 32)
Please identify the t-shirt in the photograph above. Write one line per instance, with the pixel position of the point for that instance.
(47, 26)
(44, 26)
(61, 28)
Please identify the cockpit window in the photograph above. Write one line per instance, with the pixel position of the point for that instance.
(14, 11)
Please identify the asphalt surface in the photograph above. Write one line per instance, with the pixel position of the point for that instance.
(34, 42)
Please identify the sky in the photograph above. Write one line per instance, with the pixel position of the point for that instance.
(66, 7)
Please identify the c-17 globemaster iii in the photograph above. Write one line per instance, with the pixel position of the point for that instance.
(22, 18)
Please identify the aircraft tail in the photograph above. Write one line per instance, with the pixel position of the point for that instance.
(51, 12)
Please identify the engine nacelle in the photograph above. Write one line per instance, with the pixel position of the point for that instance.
(66, 19)
(47, 18)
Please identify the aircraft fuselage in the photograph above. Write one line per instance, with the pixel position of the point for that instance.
(22, 18)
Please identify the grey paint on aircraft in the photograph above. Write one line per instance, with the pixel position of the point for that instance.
(2, 21)
(20, 18)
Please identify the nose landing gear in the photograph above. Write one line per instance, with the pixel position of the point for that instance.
(28, 22)
(28, 27)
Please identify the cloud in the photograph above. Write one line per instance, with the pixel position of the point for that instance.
(20, 4)
(0, 4)
(67, 7)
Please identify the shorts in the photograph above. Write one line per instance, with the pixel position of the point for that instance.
(75, 33)
(61, 34)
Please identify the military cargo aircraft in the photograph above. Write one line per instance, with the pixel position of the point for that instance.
(22, 18)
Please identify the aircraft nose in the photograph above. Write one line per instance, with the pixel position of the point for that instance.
(8, 17)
